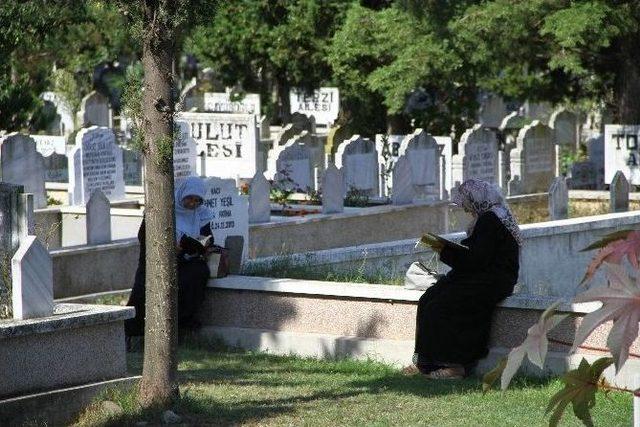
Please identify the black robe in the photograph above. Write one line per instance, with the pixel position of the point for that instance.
(193, 275)
(454, 315)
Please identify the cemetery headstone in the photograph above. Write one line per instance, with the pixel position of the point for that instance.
(98, 219)
(622, 152)
(294, 167)
(358, 160)
(492, 110)
(595, 155)
(56, 168)
(20, 163)
(259, 204)
(388, 149)
(66, 124)
(558, 199)
(540, 111)
(235, 246)
(132, 167)
(221, 102)
(619, 193)
(32, 279)
(12, 211)
(583, 176)
(332, 190)
(402, 192)
(477, 156)
(49, 144)
(423, 153)
(228, 141)
(95, 111)
(565, 127)
(95, 163)
(512, 121)
(533, 159)
(230, 211)
(190, 97)
(446, 142)
(323, 104)
(185, 152)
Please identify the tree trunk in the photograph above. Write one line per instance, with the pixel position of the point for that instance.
(284, 105)
(398, 124)
(159, 386)
(628, 83)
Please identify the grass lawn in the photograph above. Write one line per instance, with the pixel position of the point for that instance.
(226, 387)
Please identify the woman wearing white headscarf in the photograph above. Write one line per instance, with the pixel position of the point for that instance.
(454, 315)
(192, 221)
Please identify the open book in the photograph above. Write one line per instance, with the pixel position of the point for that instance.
(429, 238)
(196, 246)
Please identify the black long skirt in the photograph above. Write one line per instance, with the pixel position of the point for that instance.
(192, 281)
(453, 323)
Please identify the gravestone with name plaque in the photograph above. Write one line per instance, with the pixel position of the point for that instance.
(622, 152)
(221, 102)
(49, 144)
(477, 156)
(323, 104)
(533, 161)
(95, 163)
(184, 152)
(228, 142)
(358, 160)
(230, 211)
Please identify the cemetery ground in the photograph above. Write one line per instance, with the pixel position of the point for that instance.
(222, 386)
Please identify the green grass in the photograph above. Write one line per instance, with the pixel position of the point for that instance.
(225, 387)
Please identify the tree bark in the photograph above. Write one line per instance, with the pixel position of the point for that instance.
(159, 386)
(628, 83)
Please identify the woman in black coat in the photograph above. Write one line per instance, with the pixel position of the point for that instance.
(454, 315)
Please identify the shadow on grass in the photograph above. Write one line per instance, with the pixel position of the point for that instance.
(266, 386)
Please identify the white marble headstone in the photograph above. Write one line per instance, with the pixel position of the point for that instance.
(332, 190)
(21, 164)
(95, 163)
(558, 199)
(49, 144)
(220, 102)
(423, 153)
(98, 219)
(294, 162)
(230, 210)
(595, 154)
(565, 127)
(358, 160)
(387, 147)
(229, 142)
(95, 110)
(477, 156)
(402, 192)
(259, 204)
(32, 280)
(185, 153)
(622, 152)
(533, 161)
(323, 104)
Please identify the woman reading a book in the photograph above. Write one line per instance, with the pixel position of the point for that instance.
(192, 224)
(454, 315)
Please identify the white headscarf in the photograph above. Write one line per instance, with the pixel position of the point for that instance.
(480, 197)
(189, 221)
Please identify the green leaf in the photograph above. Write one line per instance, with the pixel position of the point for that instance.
(489, 379)
(580, 388)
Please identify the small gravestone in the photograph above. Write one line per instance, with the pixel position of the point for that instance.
(21, 164)
(533, 161)
(230, 211)
(12, 210)
(235, 246)
(98, 219)
(94, 111)
(358, 160)
(558, 199)
(95, 163)
(49, 144)
(184, 153)
(402, 192)
(32, 280)
(259, 205)
(619, 193)
(131, 167)
(595, 154)
(332, 190)
(477, 156)
(56, 168)
(423, 153)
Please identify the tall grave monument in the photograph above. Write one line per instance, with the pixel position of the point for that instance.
(477, 156)
(95, 163)
(533, 161)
